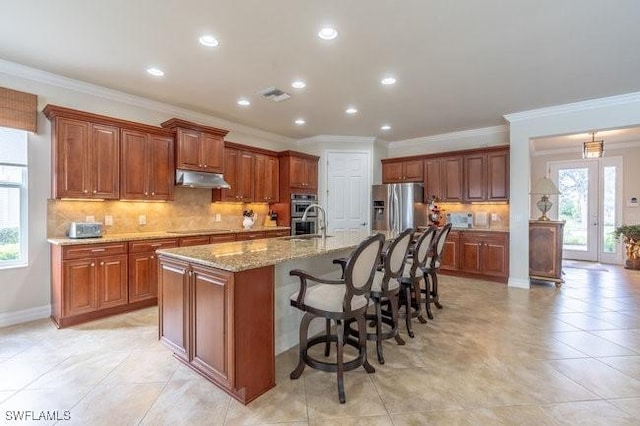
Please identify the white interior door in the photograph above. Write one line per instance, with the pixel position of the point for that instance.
(590, 203)
(348, 191)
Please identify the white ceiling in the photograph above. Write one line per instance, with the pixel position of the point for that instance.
(459, 65)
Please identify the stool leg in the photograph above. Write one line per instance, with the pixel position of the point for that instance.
(436, 297)
(395, 317)
(327, 344)
(407, 317)
(304, 328)
(427, 299)
(378, 308)
(362, 343)
(340, 361)
(416, 290)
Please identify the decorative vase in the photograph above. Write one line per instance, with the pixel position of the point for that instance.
(247, 222)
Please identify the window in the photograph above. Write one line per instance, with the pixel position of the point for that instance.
(13, 197)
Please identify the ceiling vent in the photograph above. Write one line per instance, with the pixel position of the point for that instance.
(275, 95)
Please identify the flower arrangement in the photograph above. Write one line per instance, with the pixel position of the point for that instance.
(247, 213)
(434, 211)
(631, 236)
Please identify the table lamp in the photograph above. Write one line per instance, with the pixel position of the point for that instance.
(545, 187)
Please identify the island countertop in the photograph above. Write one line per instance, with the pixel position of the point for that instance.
(240, 256)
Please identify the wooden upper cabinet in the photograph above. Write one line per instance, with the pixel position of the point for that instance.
(451, 183)
(198, 147)
(432, 178)
(147, 166)
(239, 174)
(245, 175)
(86, 159)
(266, 178)
(475, 177)
(498, 175)
(402, 171)
(298, 172)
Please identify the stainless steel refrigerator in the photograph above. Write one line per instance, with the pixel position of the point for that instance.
(398, 206)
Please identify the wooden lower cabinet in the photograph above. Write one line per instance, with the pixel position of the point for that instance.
(451, 252)
(545, 250)
(143, 268)
(220, 324)
(477, 254)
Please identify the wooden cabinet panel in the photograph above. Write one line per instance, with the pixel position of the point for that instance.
(452, 179)
(470, 254)
(432, 178)
(212, 153)
(161, 168)
(413, 170)
(198, 147)
(266, 178)
(402, 171)
(451, 252)
(495, 257)
(174, 307)
(143, 276)
(545, 250)
(245, 176)
(485, 254)
(135, 165)
(188, 150)
(277, 233)
(79, 295)
(84, 251)
(475, 177)
(392, 172)
(151, 245)
(231, 161)
(112, 281)
(224, 238)
(297, 176)
(498, 175)
(197, 240)
(104, 167)
(311, 173)
(244, 236)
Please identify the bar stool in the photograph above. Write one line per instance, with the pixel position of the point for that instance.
(341, 301)
(410, 292)
(430, 270)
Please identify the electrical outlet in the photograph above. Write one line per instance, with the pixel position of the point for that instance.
(90, 219)
(494, 217)
(142, 220)
(108, 220)
(218, 217)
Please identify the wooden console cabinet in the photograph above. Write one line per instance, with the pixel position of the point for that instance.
(545, 250)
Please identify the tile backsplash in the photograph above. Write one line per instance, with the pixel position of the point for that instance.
(497, 214)
(191, 209)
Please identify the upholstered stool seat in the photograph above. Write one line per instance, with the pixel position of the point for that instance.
(327, 297)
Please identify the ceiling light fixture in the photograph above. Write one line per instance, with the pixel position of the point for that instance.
(387, 81)
(298, 84)
(243, 102)
(327, 33)
(385, 127)
(156, 72)
(208, 40)
(593, 148)
(351, 110)
(300, 121)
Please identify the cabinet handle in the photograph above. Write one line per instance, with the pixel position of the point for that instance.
(153, 257)
(92, 264)
(146, 193)
(153, 193)
(205, 166)
(102, 263)
(200, 165)
(85, 191)
(156, 245)
(95, 191)
(97, 250)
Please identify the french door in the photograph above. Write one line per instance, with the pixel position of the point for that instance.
(590, 202)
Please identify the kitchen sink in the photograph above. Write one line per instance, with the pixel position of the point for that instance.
(305, 237)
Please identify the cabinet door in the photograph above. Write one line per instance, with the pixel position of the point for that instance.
(173, 301)
(143, 277)
(413, 171)
(245, 176)
(112, 281)
(272, 177)
(197, 240)
(392, 172)
(432, 176)
(451, 252)
(311, 174)
(231, 160)
(161, 175)
(212, 153)
(79, 292)
(452, 178)
(475, 177)
(212, 310)
(470, 254)
(278, 233)
(545, 250)
(245, 236)
(224, 238)
(72, 159)
(498, 176)
(188, 150)
(297, 172)
(266, 178)
(105, 162)
(494, 256)
(134, 178)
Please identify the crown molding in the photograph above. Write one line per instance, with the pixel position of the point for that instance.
(578, 149)
(484, 131)
(338, 139)
(45, 77)
(573, 107)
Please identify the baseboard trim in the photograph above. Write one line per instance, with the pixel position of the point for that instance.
(519, 283)
(25, 315)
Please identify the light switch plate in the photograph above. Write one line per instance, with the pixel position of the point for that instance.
(218, 217)
(108, 220)
(142, 220)
(90, 219)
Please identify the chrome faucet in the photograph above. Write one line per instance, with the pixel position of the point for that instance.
(323, 228)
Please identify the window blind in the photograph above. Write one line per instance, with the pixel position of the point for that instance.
(18, 110)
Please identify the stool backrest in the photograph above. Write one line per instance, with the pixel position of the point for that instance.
(438, 247)
(422, 249)
(361, 267)
(396, 257)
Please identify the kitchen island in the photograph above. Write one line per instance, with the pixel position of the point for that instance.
(224, 308)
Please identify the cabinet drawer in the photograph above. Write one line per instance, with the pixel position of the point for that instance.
(151, 245)
(280, 233)
(194, 241)
(242, 236)
(92, 250)
(224, 238)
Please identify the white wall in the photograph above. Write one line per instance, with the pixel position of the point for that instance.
(25, 291)
(581, 117)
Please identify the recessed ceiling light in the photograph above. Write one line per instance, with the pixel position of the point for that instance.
(208, 40)
(388, 80)
(157, 72)
(243, 102)
(327, 33)
(351, 110)
(385, 127)
(298, 84)
(300, 121)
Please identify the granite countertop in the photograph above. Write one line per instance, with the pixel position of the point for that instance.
(500, 229)
(244, 255)
(139, 236)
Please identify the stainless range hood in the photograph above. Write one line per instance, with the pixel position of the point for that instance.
(193, 179)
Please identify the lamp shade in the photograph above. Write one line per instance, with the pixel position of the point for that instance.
(544, 186)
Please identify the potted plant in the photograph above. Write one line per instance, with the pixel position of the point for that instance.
(631, 237)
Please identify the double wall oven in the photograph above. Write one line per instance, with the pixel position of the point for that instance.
(299, 203)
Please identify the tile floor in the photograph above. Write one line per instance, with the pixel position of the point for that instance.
(493, 355)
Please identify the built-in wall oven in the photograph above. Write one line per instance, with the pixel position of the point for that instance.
(299, 203)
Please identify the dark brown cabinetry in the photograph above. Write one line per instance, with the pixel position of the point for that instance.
(298, 172)
(484, 253)
(486, 176)
(239, 174)
(266, 178)
(143, 270)
(475, 177)
(86, 159)
(395, 171)
(545, 250)
(443, 178)
(220, 324)
(198, 147)
(451, 252)
(87, 280)
(147, 166)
